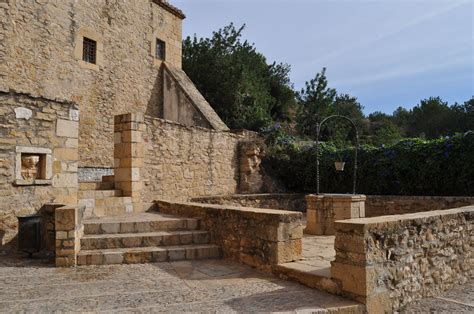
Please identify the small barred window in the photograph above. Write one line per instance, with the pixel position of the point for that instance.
(89, 50)
(160, 49)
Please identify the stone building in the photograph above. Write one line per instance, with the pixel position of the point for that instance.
(106, 56)
(90, 88)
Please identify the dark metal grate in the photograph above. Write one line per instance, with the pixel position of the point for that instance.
(160, 49)
(89, 50)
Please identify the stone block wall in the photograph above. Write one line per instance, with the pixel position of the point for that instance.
(129, 154)
(40, 54)
(285, 201)
(253, 236)
(69, 230)
(183, 162)
(35, 124)
(388, 262)
(323, 210)
(380, 205)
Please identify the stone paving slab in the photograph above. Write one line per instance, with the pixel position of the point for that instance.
(457, 300)
(187, 286)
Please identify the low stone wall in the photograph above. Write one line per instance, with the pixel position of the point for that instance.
(387, 262)
(285, 201)
(253, 236)
(381, 205)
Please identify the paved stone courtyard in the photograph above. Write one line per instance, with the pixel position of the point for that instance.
(204, 286)
(191, 286)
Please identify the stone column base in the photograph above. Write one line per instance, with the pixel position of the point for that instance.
(324, 209)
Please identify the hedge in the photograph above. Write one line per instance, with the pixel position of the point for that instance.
(411, 167)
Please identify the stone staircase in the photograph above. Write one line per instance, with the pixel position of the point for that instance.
(115, 234)
(101, 199)
(144, 238)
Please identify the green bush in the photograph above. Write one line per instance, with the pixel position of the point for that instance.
(443, 166)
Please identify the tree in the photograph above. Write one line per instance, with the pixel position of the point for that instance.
(401, 118)
(431, 117)
(244, 90)
(464, 115)
(315, 102)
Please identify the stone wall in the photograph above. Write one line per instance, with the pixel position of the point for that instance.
(380, 205)
(69, 231)
(285, 201)
(41, 54)
(35, 125)
(183, 162)
(253, 236)
(322, 210)
(388, 262)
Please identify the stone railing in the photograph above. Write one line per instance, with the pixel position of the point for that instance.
(381, 205)
(285, 201)
(69, 230)
(253, 236)
(387, 262)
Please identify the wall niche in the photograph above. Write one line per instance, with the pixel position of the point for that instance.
(33, 166)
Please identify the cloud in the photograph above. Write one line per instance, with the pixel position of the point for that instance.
(372, 41)
(402, 71)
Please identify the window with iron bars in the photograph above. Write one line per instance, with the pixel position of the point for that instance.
(89, 50)
(160, 49)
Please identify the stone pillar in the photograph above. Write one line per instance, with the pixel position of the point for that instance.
(324, 209)
(69, 231)
(66, 160)
(128, 156)
(251, 178)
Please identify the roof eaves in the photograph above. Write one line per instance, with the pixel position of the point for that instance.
(170, 8)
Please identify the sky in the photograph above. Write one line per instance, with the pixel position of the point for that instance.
(387, 53)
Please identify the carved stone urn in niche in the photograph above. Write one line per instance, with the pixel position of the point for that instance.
(29, 167)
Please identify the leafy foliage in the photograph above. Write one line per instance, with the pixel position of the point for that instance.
(244, 90)
(410, 167)
(247, 92)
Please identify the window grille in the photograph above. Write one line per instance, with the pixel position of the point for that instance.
(89, 50)
(160, 49)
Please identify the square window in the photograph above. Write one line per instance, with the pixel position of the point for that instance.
(89, 50)
(160, 49)
(33, 165)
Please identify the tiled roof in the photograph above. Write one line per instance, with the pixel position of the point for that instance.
(170, 8)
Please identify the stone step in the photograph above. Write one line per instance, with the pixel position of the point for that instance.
(110, 178)
(106, 205)
(95, 194)
(83, 186)
(146, 239)
(148, 254)
(136, 223)
(115, 210)
(113, 201)
(318, 277)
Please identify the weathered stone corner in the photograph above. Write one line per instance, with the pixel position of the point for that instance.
(129, 152)
(324, 209)
(69, 230)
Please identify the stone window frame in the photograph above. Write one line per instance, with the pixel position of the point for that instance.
(47, 167)
(154, 38)
(89, 50)
(162, 43)
(89, 33)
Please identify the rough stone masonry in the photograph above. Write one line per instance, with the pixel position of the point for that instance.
(41, 53)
